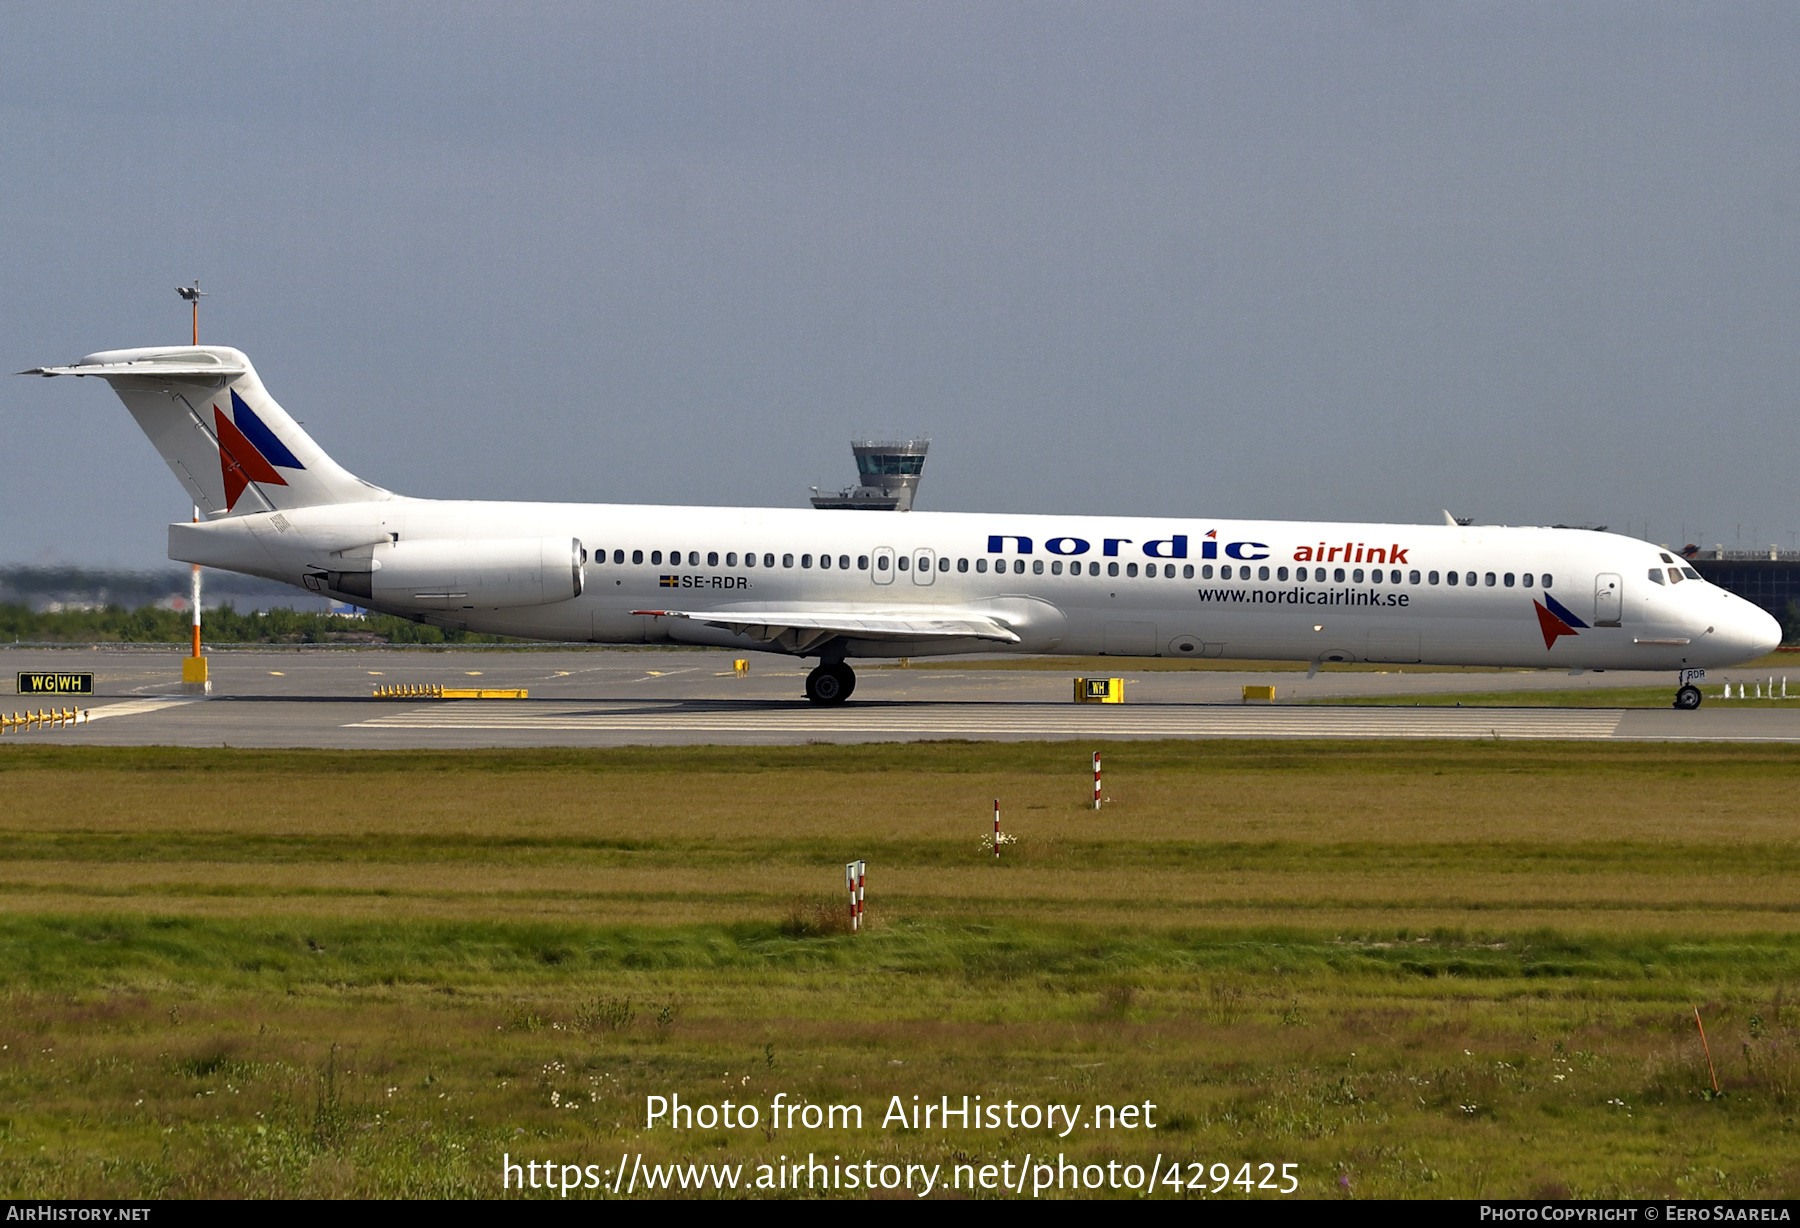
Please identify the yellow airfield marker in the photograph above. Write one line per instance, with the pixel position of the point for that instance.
(433, 691)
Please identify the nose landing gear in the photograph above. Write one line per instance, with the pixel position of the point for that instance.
(1688, 697)
(830, 684)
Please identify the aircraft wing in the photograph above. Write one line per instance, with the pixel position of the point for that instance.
(802, 630)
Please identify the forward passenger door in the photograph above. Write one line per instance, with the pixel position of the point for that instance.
(1609, 599)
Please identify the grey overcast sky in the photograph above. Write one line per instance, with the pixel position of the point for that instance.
(1531, 262)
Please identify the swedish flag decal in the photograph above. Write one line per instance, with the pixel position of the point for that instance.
(669, 581)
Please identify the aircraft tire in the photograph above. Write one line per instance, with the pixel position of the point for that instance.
(1687, 698)
(830, 685)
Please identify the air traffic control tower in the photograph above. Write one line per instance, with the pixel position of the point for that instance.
(889, 471)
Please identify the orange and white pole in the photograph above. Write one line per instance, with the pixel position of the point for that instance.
(193, 668)
(996, 829)
(196, 652)
(195, 597)
(1096, 780)
(1710, 1069)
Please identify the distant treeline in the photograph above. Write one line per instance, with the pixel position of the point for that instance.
(150, 624)
(78, 586)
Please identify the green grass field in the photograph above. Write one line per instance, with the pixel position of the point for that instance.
(1416, 969)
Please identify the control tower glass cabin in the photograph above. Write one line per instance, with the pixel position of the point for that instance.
(889, 471)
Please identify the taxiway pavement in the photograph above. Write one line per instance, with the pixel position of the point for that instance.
(323, 698)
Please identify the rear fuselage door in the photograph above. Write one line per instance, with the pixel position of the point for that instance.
(1609, 599)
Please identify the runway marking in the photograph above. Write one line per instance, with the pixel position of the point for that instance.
(138, 707)
(1162, 720)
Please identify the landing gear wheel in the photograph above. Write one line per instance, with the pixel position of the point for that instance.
(1687, 698)
(830, 684)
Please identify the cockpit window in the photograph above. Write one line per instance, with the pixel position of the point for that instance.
(1674, 575)
(1656, 576)
(1690, 573)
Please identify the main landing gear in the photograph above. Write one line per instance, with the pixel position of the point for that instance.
(830, 684)
(1688, 697)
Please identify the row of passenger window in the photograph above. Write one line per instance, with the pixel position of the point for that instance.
(1375, 575)
(731, 559)
(904, 563)
(1320, 575)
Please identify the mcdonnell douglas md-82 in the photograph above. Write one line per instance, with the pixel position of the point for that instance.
(837, 585)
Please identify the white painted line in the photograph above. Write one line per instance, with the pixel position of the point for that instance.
(138, 707)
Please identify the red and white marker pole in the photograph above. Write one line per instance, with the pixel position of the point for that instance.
(996, 829)
(1096, 780)
(853, 881)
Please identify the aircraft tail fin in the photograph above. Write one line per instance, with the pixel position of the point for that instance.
(228, 442)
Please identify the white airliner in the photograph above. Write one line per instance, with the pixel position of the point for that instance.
(842, 584)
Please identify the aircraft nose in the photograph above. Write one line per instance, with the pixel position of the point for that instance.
(1766, 632)
(1762, 634)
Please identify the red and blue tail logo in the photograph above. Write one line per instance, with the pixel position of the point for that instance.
(248, 450)
(1555, 620)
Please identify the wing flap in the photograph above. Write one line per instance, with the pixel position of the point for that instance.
(802, 630)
